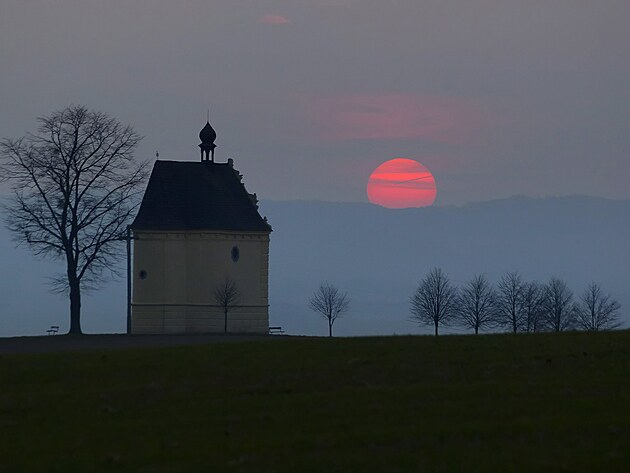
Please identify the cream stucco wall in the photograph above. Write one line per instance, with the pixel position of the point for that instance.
(181, 270)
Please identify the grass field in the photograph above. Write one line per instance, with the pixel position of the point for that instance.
(495, 403)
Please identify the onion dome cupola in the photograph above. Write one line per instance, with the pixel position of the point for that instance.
(207, 135)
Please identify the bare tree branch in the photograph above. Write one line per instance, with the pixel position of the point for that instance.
(435, 300)
(559, 311)
(76, 187)
(476, 304)
(227, 296)
(533, 306)
(509, 302)
(597, 311)
(330, 303)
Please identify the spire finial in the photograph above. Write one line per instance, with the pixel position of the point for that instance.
(207, 135)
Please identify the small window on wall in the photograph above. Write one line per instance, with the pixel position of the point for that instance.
(142, 274)
(236, 254)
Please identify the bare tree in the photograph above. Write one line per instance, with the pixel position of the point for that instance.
(435, 300)
(75, 187)
(509, 302)
(533, 304)
(476, 304)
(559, 311)
(227, 296)
(330, 303)
(596, 311)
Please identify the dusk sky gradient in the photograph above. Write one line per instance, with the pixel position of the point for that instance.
(495, 98)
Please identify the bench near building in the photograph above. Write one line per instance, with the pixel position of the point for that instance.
(196, 230)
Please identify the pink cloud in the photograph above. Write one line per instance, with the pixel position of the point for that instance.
(399, 116)
(271, 19)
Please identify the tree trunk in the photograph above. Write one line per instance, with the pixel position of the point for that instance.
(225, 312)
(75, 306)
(476, 330)
(436, 329)
(330, 329)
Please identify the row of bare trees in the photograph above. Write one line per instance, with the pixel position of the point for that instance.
(514, 305)
(76, 185)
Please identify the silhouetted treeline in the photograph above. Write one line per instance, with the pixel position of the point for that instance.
(513, 305)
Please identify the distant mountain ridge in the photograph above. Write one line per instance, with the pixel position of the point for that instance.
(378, 255)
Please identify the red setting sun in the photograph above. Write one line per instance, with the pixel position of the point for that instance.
(401, 183)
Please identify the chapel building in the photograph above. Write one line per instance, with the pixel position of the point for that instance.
(199, 231)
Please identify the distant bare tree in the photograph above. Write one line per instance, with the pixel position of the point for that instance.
(533, 305)
(227, 296)
(435, 301)
(559, 311)
(330, 303)
(596, 311)
(509, 302)
(75, 186)
(476, 304)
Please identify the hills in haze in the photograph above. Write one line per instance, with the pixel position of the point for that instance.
(378, 255)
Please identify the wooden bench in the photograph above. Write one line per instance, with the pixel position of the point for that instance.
(275, 330)
(53, 330)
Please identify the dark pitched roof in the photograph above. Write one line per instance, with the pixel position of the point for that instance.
(197, 196)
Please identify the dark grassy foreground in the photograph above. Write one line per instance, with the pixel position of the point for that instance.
(460, 404)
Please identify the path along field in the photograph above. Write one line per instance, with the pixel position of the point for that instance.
(494, 403)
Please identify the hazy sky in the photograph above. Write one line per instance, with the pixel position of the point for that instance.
(496, 98)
